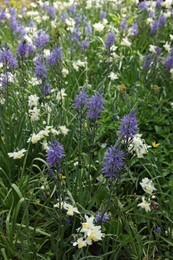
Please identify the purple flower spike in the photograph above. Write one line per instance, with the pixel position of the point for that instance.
(55, 152)
(102, 15)
(143, 5)
(101, 217)
(154, 27)
(81, 100)
(128, 126)
(40, 70)
(55, 56)
(7, 59)
(42, 39)
(113, 162)
(95, 107)
(168, 63)
(84, 44)
(110, 40)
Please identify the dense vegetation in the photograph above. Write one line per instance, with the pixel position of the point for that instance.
(86, 130)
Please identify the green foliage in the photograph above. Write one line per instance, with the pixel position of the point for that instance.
(43, 208)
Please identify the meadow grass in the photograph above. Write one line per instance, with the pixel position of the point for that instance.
(86, 109)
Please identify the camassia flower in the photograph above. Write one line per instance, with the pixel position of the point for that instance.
(95, 106)
(128, 126)
(113, 162)
(7, 58)
(55, 152)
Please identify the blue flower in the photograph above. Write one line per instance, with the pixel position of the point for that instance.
(95, 106)
(7, 58)
(40, 69)
(81, 99)
(128, 126)
(42, 39)
(55, 56)
(50, 10)
(102, 15)
(168, 62)
(84, 44)
(45, 89)
(110, 40)
(101, 217)
(55, 153)
(113, 162)
(24, 49)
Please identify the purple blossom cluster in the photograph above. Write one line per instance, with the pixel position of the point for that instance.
(45, 89)
(113, 162)
(95, 106)
(55, 153)
(49, 9)
(25, 49)
(102, 15)
(158, 23)
(143, 5)
(168, 62)
(55, 56)
(41, 71)
(110, 40)
(81, 100)
(7, 58)
(128, 126)
(134, 29)
(42, 39)
(2, 14)
(101, 217)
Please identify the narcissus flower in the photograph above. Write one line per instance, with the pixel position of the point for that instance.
(17, 155)
(145, 204)
(147, 185)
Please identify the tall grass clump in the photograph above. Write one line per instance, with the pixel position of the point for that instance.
(86, 119)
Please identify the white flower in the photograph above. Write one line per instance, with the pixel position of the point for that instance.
(94, 234)
(153, 48)
(113, 76)
(17, 155)
(167, 46)
(70, 24)
(79, 64)
(145, 205)
(54, 131)
(2, 100)
(46, 52)
(34, 138)
(91, 232)
(80, 242)
(147, 185)
(125, 42)
(171, 37)
(98, 27)
(65, 72)
(34, 114)
(44, 145)
(171, 71)
(33, 101)
(63, 129)
(138, 146)
(167, 4)
(61, 94)
(70, 209)
(88, 225)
